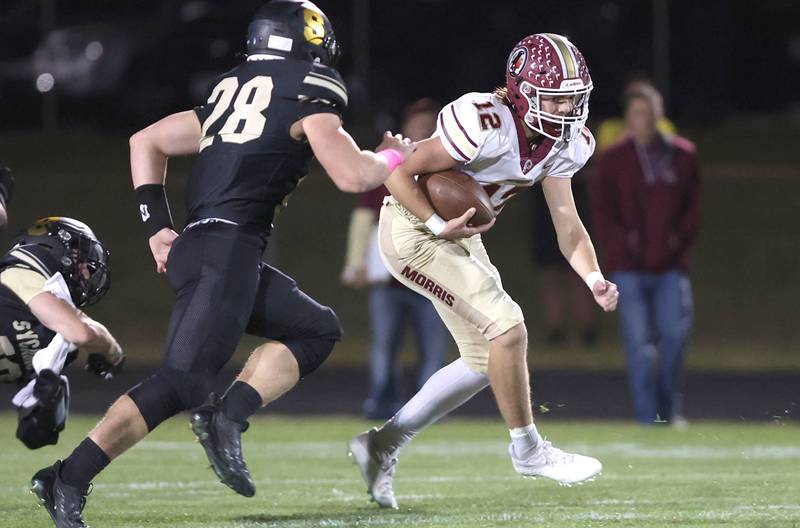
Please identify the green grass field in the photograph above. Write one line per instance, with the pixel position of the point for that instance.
(456, 474)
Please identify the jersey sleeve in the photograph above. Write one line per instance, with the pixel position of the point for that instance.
(26, 284)
(574, 157)
(322, 90)
(469, 128)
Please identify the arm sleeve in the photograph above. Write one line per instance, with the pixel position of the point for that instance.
(572, 159)
(469, 132)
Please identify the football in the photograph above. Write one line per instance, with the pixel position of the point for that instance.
(452, 192)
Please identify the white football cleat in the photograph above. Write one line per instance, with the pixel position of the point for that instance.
(376, 467)
(553, 463)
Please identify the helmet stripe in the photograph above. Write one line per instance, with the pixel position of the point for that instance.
(567, 59)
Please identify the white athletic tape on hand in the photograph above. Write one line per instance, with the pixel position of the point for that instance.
(436, 224)
(592, 278)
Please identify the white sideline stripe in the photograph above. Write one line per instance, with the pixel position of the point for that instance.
(489, 519)
(213, 485)
(493, 448)
(330, 85)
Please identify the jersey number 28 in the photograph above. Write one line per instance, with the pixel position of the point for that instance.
(249, 101)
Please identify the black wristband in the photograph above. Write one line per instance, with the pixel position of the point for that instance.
(153, 208)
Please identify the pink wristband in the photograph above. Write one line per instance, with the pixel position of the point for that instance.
(393, 158)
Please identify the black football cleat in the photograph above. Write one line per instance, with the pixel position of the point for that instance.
(221, 438)
(64, 503)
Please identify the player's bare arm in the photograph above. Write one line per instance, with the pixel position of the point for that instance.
(574, 241)
(429, 156)
(175, 135)
(77, 328)
(352, 170)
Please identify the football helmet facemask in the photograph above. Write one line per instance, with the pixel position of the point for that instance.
(293, 28)
(542, 65)
(82, 258)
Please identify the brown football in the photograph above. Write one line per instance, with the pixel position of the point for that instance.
(452, 192)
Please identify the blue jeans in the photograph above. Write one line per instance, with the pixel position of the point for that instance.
(390, 307)
(656, 313)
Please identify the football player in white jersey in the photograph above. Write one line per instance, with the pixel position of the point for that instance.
(532, 130)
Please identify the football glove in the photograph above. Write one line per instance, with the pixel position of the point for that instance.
(100, 366)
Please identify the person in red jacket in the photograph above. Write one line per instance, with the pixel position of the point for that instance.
(645, 204)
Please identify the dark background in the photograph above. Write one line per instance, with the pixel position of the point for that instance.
(729, 72)
(712, 59)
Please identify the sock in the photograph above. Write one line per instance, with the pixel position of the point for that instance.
(525, 439)
(85, 463)
(240, 402)
(448, 388)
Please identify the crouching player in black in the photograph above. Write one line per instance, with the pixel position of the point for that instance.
(54, 267)
(256, 135)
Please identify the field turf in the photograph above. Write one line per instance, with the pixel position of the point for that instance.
(456, 474)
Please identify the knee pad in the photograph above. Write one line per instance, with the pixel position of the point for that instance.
(168, 392)
(40, 424)
(330, 327)
(310, 353)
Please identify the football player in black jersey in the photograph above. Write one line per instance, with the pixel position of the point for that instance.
(53, 269)
(257, 133)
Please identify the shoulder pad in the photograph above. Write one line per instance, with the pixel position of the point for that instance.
(469, 127)
(323, 83)
(33, 257)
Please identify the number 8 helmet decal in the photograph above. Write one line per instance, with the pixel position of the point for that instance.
(546, 64)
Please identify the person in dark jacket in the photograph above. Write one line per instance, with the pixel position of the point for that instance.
(645, 204)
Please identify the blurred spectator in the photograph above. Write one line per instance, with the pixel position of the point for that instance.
(390, 303)
(561, 288)
(612, 128)
(561, 291)
(645, 202)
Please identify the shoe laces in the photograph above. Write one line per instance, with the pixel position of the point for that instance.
(553, 455)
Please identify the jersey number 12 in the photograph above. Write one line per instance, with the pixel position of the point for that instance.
(249, 101)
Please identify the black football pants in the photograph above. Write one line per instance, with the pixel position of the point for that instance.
(223, 290)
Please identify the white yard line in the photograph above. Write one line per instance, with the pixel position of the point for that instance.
(318, 450)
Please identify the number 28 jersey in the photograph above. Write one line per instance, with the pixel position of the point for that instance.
(480, 131)
(248, 163)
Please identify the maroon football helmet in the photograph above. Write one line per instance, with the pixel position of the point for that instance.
(546, 64)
